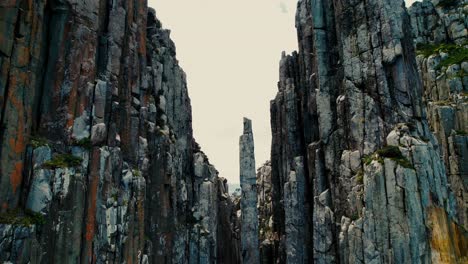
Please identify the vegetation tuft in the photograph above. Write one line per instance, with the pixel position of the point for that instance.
(136, 173)
(37, 142)
(457, 53)
(443, 103)
(18, 217)
(63, 161)
(390, 152)
(84, 143)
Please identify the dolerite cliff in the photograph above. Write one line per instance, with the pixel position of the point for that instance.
(441, 38)
(97, 159)
(248, 202)
(367, 165)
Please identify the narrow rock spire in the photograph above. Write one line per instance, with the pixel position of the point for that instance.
(249, 221)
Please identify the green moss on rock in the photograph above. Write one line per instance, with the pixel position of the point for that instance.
(84, 143)
(19, 217)
(456, 53)
(37, 142)
(63, 161)
(388, 152)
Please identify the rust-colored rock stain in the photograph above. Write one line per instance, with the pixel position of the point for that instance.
(92, 203)
(449, 242)
(16, 176)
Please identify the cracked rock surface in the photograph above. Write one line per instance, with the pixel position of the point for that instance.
(98, 163)
(366, 165)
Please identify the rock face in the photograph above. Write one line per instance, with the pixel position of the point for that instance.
(357, 174)
(97, 159)
(249, 211)
(229, 251)
(265, 213)
(441, 38)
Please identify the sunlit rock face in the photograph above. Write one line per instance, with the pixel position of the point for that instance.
(97, 159)
(360, 172)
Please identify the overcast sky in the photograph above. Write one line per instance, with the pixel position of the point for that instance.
(230, 51)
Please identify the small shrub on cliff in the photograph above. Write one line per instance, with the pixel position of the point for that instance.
(84, 143)
(18, 217)
(457, 53)
(443, 103)
(394, 153)
(37, 142)
(136, 173)
(63, 161)
(367, 159)
(426, 49)
(389, 152)
(456, 56)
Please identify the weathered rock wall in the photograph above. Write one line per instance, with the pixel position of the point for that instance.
(441, 38)
(97, 159)
(265, 213)
(352, 147)
(248, 203)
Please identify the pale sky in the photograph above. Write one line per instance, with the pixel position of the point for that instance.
(230, 50)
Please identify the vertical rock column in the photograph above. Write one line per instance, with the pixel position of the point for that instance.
(249, 221)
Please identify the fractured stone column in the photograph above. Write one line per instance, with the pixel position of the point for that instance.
(249, 220)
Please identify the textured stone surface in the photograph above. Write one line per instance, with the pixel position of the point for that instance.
(228, 241)
(249, 211)
(98, 163)
(350, 95)
(446, 88)
(96, 137)
(267, 238)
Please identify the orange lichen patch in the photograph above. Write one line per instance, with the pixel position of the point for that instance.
(17, 143)
(16, 134)
(92, 200)
(449, 242)
(16, 176)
